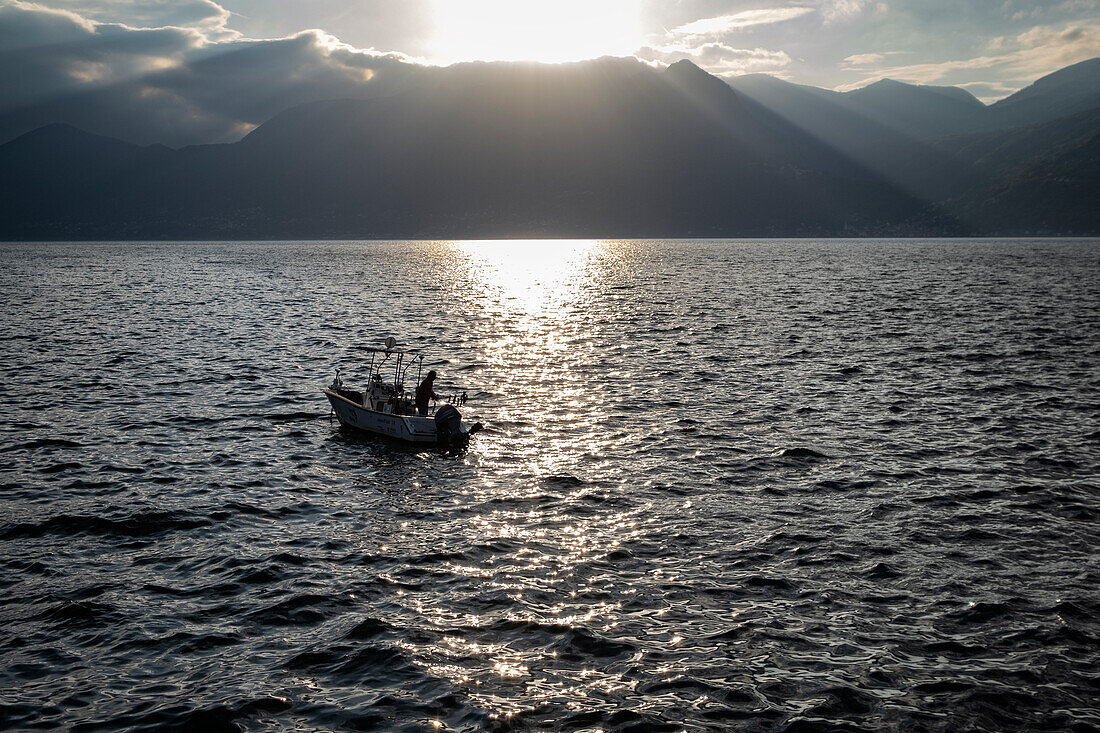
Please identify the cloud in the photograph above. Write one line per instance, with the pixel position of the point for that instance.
(1079, 6)
(204, 14)
(175, 84)
(45, 53)
(859, 60)
(1021, 59)
(988, 90)
(1044, 49)
(724, 24)
(1067, 7)
(865, 59)
(830, 11)
(22, 25)
(173, 71)
(929, 73)
(720, 59)
(834, 11)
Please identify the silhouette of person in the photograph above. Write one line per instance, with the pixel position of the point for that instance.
(425, 393)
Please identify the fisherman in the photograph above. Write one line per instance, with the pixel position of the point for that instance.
(425, 393)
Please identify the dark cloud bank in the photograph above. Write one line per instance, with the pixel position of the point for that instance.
(168, 85)
(356, 144)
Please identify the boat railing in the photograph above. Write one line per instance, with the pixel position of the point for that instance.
(383, 392)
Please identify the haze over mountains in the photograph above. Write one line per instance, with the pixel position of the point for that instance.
(606, 148)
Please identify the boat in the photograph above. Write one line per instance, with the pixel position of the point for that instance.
(385, 408)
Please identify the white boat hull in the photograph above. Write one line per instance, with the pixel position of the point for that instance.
(411, 428)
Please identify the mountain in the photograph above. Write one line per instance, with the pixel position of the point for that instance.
(864, 129)
(917, 136)
(603, 148)
(61, 174)
(1039, 179)
(606, 148)
(758, 128)
(907, 111)
(920, 112)
(1068, 91)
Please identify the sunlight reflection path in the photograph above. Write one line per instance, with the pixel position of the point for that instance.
(535, 296)
(542, 519)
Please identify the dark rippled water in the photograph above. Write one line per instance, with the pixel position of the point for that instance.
(724, 486)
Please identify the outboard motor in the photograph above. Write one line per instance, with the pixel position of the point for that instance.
(448, 424)
(448, 429)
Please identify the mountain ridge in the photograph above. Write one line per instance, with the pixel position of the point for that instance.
(608, 148)
(1075, 88)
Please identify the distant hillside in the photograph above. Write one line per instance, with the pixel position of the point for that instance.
(867, 130)
(1068, 91)
(607, 148)
(1039, 179)
(903, 110)
(920, 112)
(925, 112)
(942, 145)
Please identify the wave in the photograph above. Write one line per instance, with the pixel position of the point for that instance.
(43, 443)
(139, 524)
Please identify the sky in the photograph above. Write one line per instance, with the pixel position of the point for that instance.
(187, 71)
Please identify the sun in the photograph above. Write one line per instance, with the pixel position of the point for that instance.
(550, 31)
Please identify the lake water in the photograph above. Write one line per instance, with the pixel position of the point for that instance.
(724, 485)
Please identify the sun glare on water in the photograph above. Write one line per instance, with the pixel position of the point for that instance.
(529, 277)
(550, 31)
